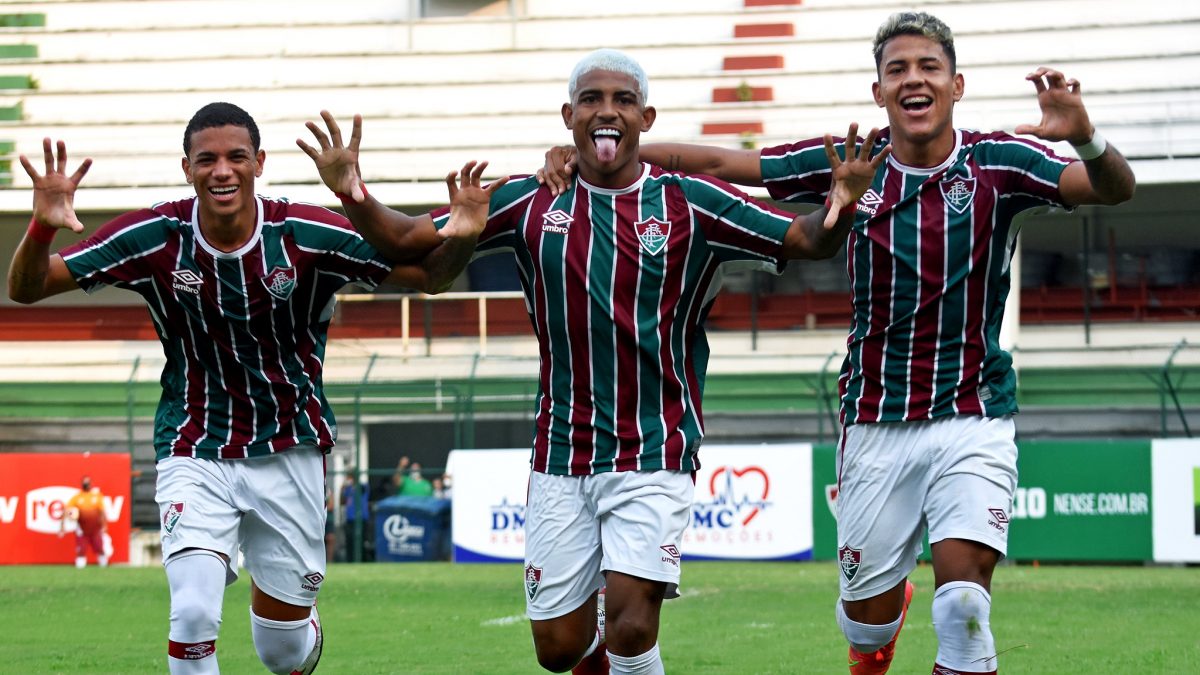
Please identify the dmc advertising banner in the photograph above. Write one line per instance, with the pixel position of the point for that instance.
(1075, 501)
(1176, 500)
(34, 491)
(752, 502)
(487, 516)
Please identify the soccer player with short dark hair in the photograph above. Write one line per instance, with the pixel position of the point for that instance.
(619, 271)
(927, 393)
(241, 290)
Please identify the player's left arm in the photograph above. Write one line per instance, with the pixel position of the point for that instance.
(469, 203)
(1104, 176)
(821, 233)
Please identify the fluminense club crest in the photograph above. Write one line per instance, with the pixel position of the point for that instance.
(653, 233)
(958, 192)
(533, 580)
(172, 516)
(280, 282)
(849, 559)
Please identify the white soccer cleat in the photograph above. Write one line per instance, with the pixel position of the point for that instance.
(310, 663)
(80, 562)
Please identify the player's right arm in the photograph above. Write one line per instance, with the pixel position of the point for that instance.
(34, 273)
(398, 236)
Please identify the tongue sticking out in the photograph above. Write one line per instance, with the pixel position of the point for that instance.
(606, 148)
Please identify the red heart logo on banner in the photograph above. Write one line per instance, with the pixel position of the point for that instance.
(739, 473)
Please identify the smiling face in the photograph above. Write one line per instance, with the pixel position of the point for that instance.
(222, 165)
(918, 87)
(606, 118)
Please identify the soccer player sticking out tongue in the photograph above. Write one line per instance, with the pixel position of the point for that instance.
(618, 267)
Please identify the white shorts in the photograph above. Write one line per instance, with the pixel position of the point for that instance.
(954, 476)
(271, 507)
(577, 527)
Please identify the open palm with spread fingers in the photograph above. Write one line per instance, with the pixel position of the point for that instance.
(852, 177)
(468, 201)
(1064, 118)
(337, 164)
(54, 191)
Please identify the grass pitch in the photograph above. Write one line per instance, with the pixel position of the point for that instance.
(733, 619)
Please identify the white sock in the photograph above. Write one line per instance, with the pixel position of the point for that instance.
(80, 562)
(282, 645)
(649, 663)
(591, 648)
(197, 582)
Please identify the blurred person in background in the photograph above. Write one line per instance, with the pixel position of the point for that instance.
(241, 289)
(85, 512)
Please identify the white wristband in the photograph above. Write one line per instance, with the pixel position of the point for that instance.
(1093, 148)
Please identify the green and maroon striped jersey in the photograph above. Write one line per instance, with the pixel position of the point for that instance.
(928, 261)
(618, 283)
(243, 332)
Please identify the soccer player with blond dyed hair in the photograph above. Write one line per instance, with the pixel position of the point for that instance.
(619, 270)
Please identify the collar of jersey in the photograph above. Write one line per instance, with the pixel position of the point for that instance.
(929, 171)
(632, 187)
(217, 253)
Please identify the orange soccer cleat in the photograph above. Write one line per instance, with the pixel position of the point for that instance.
(878, 662)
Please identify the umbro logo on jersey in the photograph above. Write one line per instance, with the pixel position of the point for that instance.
(653, 233)
(186, 281)
(556, 221)
(280, 282)
(869, 204)
(958, 192)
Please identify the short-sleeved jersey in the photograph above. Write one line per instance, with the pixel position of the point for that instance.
(89, 510)
(928, 262)
(617, 284)
(244, 332)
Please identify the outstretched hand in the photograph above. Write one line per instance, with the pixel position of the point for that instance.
(560, 164)
(54, 191)
(851, 177)
(1063, 115)
(468, 201)
(337, 165)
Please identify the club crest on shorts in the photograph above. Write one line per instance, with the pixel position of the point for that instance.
(280, 282)
(172, 516)
(652, 233)
(849, 559)
(958, 192)
(533, 580)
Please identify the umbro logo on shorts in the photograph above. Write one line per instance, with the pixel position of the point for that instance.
(672, 551)
(312, 581)
(998, 520)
